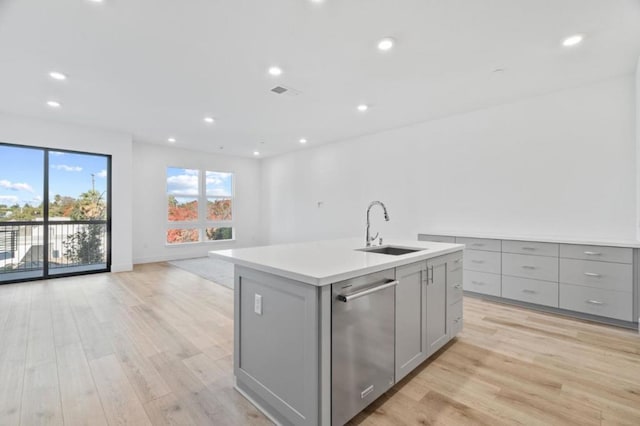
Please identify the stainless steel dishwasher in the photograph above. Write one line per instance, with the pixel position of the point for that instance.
(362, 343)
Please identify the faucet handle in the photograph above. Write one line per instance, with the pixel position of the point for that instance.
(374, 237)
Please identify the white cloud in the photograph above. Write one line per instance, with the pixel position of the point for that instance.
(66, 168)
(183, 184)
(8, 199)
(101, 174)
(15, 186)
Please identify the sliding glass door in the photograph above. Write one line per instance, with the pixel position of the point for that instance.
(54, 213)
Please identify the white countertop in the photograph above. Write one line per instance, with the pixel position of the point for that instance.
(324, 262)
(551, 239)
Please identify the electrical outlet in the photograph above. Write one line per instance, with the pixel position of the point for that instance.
(257, 304)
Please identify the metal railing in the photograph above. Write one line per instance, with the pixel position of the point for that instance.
(70, 246)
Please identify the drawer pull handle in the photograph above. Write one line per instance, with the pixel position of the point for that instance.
(457, 261)
(594, 302)
(529, 291)
(592, 274)
(458, 286)
(455, 270)
(528, 248)
(477, 282)
(478, 244)
(478, 261)
(457, 319)
(528, 267)
(592, 253)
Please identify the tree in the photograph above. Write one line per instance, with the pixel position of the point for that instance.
(86, 245)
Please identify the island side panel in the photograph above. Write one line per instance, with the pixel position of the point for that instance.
(276, 359)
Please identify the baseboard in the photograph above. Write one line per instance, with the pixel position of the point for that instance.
(123, 267)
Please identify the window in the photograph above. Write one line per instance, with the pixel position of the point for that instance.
(199, 206)
(54, 213)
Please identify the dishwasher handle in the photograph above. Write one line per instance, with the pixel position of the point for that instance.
(359, 294)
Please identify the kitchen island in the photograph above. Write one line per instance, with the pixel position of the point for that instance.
(322, 329)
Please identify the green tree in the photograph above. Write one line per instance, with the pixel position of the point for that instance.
(86, 245)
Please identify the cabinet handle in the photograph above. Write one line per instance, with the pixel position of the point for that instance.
(526, 290)
(592, 253)
(594, 302)
(458, 286)
(431, 279)
(528, 267)
(592, 274)
(477, 282)
(457, 319)
(528, 248)
(478, 244)
(457, 261)
(478, 261)
(455, 270)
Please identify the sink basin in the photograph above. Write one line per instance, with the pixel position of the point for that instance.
(391, 250)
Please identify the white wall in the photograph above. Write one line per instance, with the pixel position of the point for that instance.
(150, 200)
(559, 164)
(25, 131)
(638, 153)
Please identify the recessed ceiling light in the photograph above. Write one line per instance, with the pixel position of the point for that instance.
(256, 153)
(171, 140)
(209, 120)
(275, 71)
(57, 75)
(498, 70)
(303, 140)
(96, 1)
(386, 44)
(54, 104)
(363, 107)
(573, 40)
(317, 1)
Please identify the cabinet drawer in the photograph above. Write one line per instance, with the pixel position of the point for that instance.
(595, 301)
(601, 253)
(454, 265)
(436, 238)
(479, 243)
(604, 275)
(482, 282)
(527, 247)
(532, 291)
(455, 318)
(527, 266)
(454, 288)
(483, 261)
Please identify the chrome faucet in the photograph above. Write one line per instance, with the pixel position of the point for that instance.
(386, 217)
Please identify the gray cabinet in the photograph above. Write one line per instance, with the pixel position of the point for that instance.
(596, 282)
(437, 324)
(411, 302)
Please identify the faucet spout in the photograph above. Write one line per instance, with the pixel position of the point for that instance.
(386, 217)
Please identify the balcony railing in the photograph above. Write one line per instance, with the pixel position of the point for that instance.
(70, 246)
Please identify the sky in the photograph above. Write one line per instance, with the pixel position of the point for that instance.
(22, 174)
(185, 182)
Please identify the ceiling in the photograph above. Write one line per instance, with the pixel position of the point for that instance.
(156, 68)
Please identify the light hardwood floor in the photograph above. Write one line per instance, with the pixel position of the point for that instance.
(154, 346)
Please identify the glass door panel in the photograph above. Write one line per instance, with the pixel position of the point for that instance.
(78, 188)
(22, 242)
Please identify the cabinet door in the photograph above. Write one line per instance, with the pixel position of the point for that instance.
(437, 327)
(411, 298)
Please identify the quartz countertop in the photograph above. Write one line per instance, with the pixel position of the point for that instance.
(613, 242)
(324, 262)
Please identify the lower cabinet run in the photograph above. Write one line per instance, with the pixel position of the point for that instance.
(308, 355)
(595, 282)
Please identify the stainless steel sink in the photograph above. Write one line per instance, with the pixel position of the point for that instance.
(391, 250)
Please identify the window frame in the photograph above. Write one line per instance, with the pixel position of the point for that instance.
(202, 222)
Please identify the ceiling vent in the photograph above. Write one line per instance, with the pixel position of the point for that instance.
(283, 90)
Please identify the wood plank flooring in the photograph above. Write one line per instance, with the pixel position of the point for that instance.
(154, 346)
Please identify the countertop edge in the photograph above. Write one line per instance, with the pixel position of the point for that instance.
(555, 240)
(322, 281)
